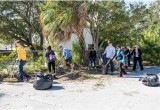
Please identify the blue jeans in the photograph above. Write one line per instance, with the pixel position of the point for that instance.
(21, 72)
(93, 61)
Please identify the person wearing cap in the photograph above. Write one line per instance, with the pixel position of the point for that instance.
(66, 53)
(110, 53)
(137, 57)
(22, 61)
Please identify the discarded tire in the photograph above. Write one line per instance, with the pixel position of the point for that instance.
(43, 81)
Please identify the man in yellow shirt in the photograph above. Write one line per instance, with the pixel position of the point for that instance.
(22, 61)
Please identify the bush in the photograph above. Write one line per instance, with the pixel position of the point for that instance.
(151, 54)
(77, 53)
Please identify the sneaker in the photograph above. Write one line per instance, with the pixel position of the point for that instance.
(55, 77)
(28, 78)
(20, 80)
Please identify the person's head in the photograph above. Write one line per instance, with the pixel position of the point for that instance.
(122, 47)
(125, 48)
(17, 43)
(118, 47)
(136, 47)
(60, 48)
(49, 48)
(109, 43)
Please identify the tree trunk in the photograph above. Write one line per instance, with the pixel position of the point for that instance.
(41, 41)
(34, 52)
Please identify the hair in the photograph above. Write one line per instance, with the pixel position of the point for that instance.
(49, 47)
(109, 42)
(18, 41)
(60, 46)
(118, 46)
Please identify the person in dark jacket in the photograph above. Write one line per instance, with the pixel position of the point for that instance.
(92, 56)
(128, 55)
(50, 55)
(137, 57)
(120, 57)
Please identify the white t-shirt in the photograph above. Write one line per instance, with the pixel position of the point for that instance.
(110, 52)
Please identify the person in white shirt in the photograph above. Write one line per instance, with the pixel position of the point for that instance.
(110, 52)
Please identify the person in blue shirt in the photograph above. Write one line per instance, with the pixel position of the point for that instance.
(66, 53)
(120, 57)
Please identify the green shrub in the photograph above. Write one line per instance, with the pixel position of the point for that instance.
(77, 53)
(88, 76)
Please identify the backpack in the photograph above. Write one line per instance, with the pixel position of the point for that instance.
(43, 81)
(151, 80)
(52, 57)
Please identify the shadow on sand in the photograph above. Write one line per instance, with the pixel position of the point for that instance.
(56, 88)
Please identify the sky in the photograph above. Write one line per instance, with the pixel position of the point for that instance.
(144, 1)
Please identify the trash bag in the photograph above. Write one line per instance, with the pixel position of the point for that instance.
(43, 81)
(151, 80)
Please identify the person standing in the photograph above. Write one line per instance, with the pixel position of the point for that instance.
(137, 57)
(66, 53)
(92, 56)
(22, 61)
(120, 57)
(128, 55)
(50, 55)
(110, 53)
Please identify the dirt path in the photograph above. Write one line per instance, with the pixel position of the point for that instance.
(96, 94)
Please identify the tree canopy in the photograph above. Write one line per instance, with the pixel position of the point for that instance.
(123, 24)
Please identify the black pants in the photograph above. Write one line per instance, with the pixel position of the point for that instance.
(111, 64)
(121, 70)
(51, 64)
(129, 59)
(135, 63)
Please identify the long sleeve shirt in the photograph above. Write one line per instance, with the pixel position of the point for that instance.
(120, 56)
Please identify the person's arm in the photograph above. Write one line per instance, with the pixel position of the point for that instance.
(64, 54)
(123, 59)
(105, 51)
(113, 52)
(140, 53)
(90, 54)
(132, 52)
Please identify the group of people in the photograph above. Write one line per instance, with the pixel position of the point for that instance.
(50, 56)
(120, 55)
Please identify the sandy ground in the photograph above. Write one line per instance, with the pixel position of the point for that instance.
(108, 93)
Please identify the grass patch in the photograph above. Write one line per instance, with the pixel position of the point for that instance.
(10, 80)
(99, 83)
(87, 76)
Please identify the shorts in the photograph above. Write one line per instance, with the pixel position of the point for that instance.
(69, 60)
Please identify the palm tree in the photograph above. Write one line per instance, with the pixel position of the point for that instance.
(60, 19)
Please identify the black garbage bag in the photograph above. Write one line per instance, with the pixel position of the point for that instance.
(150, 79)
(43, 81)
